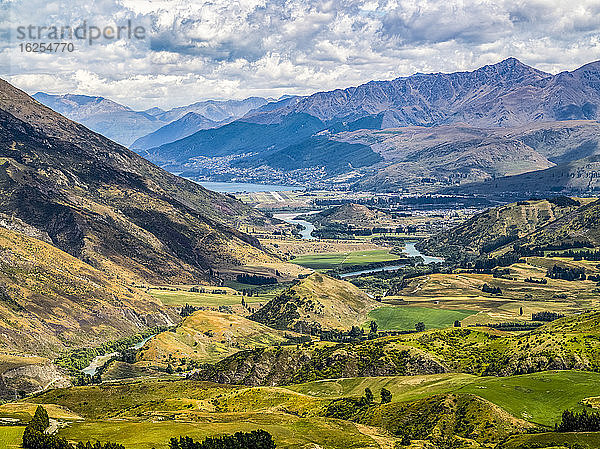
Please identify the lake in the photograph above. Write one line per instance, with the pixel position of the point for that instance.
(239, 187)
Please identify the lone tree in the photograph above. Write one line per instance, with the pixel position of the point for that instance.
(420, 326)
(373, 327)
(369, 396)
(40, 419)
(386, 396)
(456, 323)
(521, 310)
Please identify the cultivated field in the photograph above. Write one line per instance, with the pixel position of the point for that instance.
(329, 261)
(209, 299)
(405, 317)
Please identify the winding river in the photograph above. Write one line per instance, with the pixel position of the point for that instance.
(307, 227)
(409, 249)
(100, 360)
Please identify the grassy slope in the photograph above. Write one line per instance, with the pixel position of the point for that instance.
(538, 397)
(25, 411)
(481, 352)
(581, 225)
(461, 418)
(209, 336)
(199, 409)
(517, 218)
(316, 301)
(403, 388)
(12, 361)
(288, 431)
(11, 437)
(554, 440)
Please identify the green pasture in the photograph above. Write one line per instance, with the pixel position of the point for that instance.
(405, 317)
(329, 261)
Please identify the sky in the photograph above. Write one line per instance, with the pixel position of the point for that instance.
(220, 49)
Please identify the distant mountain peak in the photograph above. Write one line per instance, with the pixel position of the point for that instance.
(512, 68)
(511, 62)
(79, 100)
(591, 66)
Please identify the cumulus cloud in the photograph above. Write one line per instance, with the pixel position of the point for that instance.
(196, 50)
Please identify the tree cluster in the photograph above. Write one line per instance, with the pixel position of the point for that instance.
(499, 242)
(355, 333)
(255, 279)
(491, 289)
(386, 396)
(578, 255)
(564, 201)
(257, 439)
(507, 327)
(579, 422)
(567, 274)
(546, 316)
(187, 310)
(488, 263)
(531, 280)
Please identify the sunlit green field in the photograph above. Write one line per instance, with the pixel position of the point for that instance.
(405, 317)
(11, 436)
(288, 431)
(329, 261)
(403, 388)
(554, 440)
(180, 297)
(540, 397)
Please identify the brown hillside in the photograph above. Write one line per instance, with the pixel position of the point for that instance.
(105, 205)
(50, 300)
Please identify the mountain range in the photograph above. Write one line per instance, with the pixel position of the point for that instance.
(482, 131)
(126, 126)
(439, 129)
